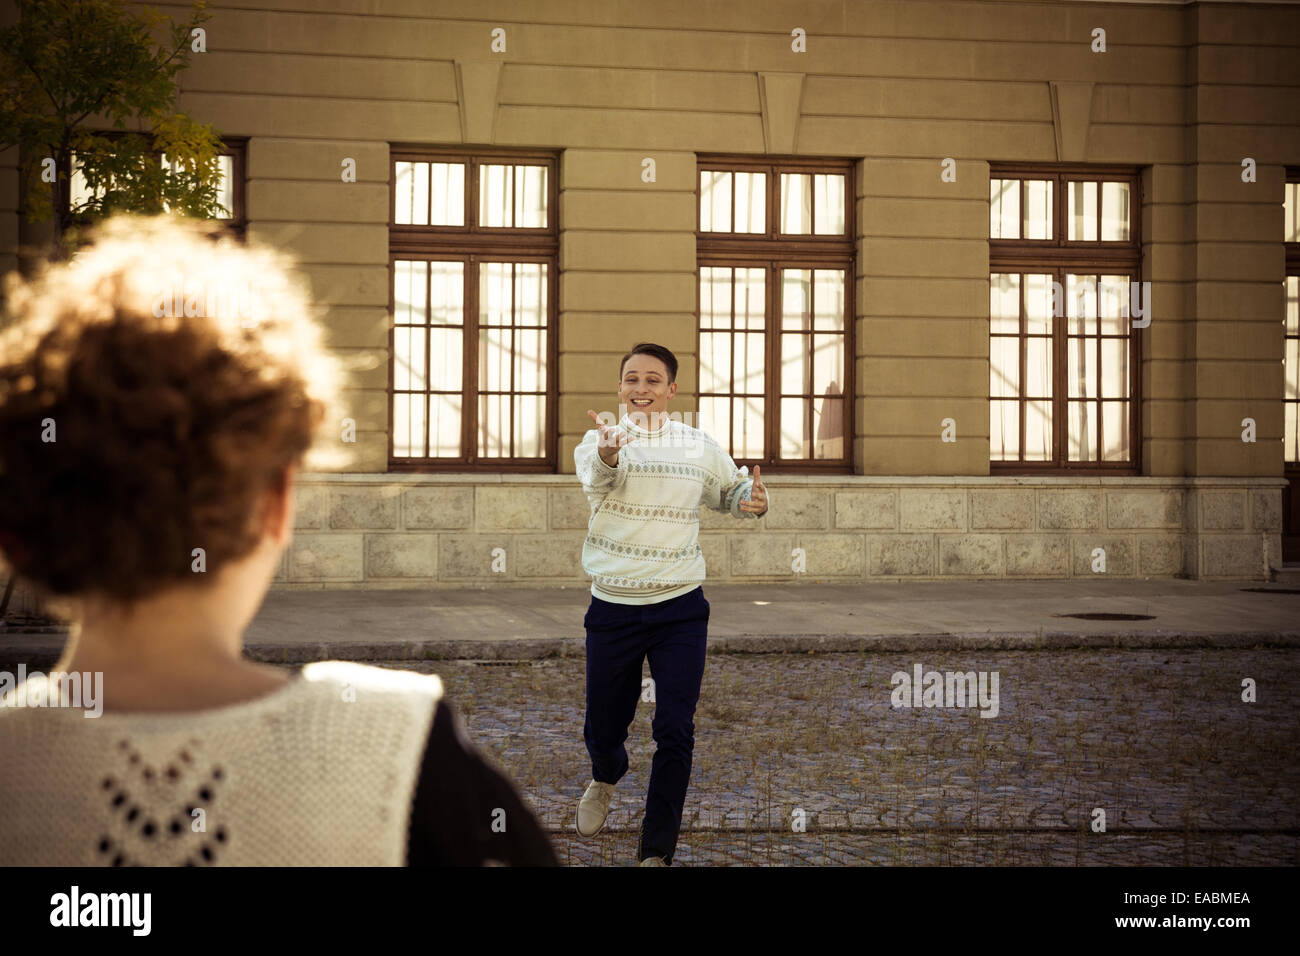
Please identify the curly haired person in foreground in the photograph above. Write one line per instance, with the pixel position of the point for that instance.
(158, 394)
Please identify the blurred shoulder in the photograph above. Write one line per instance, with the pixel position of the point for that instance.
(372, 682)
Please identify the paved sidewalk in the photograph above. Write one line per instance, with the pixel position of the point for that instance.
(515, 623)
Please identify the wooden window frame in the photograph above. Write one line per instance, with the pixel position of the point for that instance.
(471, 244)
(1058, 256)
(774, 251)
(236, 147)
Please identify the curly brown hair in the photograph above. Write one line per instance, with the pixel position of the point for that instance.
(152, 389)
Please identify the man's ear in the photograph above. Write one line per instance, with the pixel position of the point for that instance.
(672, 389)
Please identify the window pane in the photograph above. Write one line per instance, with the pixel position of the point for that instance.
(715, 201)
(226, 187)
(1004, 431)
(1004, 208)
(530, 426)
(1291, 368)
(408, 425)
(751, 202)
(1038, 431)
(408, 360)
(1083, 431)
(1004, 302)
(796, 203)
(750, 294)
(494, 426)
(530, 293)
(1081, 370)
(1291, 213)
(448, 188)
(828, 299)
(828, 364)
(530, 360)
(411, 201)
(828, 190)
(1038, 209)
(1293, 305)
(410, 292)
(1292, 427)
(494, 360)
(496, 195)
(715, 418)
(1039, 304)
(1038, 367)
(796, 304)
(748, 414)
(1114, 212)
(828, 420)
(530, 197)
(444, 426)
(1081, 304)
(447, 293)
(1004, 367)
(796, 365)
(751, 363)
(446, 351)
(1114, 368)
(715, 297)
(795, 440)
(715, 363)
(1114, 429)
(1113, 304)
(1082, 214)
(494, 293)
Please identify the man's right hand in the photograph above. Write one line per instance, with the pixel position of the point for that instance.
(612, 438)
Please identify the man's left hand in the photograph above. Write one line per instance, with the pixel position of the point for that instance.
(757, 503)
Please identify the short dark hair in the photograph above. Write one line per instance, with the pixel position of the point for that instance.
(657, 351)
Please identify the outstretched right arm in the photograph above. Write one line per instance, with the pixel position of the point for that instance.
(597, 475)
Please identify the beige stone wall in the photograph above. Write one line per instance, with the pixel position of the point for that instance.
(897, 85)
(521, 531)
(1186, 91)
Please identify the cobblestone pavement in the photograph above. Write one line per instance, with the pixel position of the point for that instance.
(1187, 773)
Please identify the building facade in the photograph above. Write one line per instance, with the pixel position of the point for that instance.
(989, 290)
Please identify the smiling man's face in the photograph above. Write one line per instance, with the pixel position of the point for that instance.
(645, 389)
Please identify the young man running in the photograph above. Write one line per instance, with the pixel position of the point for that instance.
(646, 479)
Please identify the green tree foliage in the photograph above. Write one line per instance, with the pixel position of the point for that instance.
(66, 63)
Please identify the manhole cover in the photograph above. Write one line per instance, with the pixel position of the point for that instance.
(1273, 590)
(1108, 616)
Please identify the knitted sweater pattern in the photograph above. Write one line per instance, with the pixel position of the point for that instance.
(642, 541)
(321, 772)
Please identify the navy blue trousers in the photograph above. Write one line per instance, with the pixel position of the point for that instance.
(619, 637)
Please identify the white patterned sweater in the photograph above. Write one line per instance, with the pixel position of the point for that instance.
(321, 772)
(643, 542)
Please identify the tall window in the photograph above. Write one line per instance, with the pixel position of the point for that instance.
(1064, 258)
(230, 189)
(1291, 370)
(474, 254)
(1291, 352)
(775, 248)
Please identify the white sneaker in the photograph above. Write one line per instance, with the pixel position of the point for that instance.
(593, 808)
(653, 861)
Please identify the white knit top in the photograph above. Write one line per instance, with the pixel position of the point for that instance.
(321, 772)
(642, 542)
